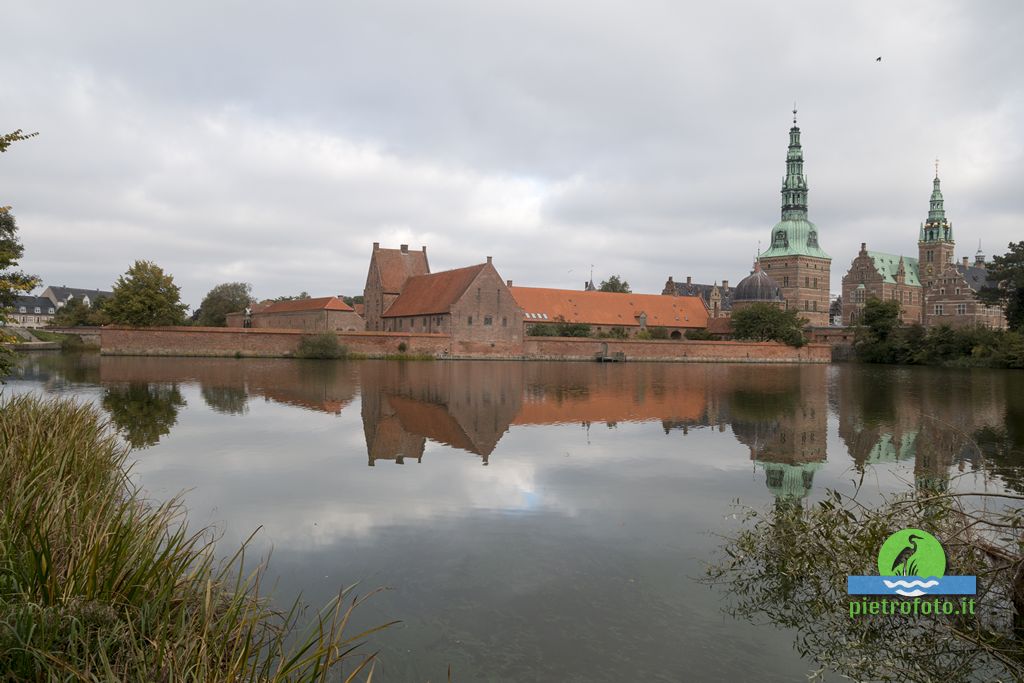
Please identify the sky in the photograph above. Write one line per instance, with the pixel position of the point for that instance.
(274, 142)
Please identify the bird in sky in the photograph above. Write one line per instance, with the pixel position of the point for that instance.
(879, 59)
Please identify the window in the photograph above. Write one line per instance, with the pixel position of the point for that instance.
(957, 290)
(807, 305)
(469, 320)
(22, 309)
(815, 283)
(504, 322)
(785, 281)
(938, 309)
(961, 309)
(942, 290)
(488, 320)
(50, 310)
(814, 305)
(38, 310)
(807, 281)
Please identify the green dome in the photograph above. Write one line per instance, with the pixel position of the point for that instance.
(795, 237)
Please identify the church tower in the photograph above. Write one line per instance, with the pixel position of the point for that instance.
(794, 259)
(935, 244)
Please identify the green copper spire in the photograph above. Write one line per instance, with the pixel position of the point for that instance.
(794, 185)
(937, 228)
(794, 235)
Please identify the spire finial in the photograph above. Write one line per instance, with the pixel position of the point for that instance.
(794, 113)
(936, 168)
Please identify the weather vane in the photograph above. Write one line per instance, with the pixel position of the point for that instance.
(936, 167)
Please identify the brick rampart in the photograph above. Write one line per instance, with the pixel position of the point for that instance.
(220, 341)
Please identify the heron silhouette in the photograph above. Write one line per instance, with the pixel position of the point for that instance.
(905, 556)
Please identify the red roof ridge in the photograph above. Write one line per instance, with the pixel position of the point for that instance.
(330, 303)
(433, 293)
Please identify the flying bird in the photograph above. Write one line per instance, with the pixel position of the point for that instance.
(879, 59)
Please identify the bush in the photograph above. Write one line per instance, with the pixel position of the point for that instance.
(766, 322)
(402, 347)
(699, 334)
(658, 332)
(558, 329)
(96, 583)
(323, 346)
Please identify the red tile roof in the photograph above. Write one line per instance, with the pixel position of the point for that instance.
(329, 303)
(396, 266)
(610, 308)
(434, 293)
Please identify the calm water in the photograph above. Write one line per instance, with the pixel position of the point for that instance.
(535, 521)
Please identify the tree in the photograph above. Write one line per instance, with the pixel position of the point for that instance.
(765, 322)
(6, 140)
(223, 299)
(12, 281)
(615, 284)
(145, 297)
(1008, 271)
(353, 300)
(876, 340)
(300, 295)
(76, 314)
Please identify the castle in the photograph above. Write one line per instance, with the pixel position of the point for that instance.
(932, 289)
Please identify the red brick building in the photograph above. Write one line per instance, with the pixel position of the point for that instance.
(603, 311)
(471, 304)
(323, 314)
(388, 273)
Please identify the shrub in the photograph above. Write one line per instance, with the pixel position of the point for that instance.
(323, 346)
(658, 332)
(699, 334)
(402, 347)
(766, 322)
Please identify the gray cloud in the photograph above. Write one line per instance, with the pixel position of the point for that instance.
(274, 143)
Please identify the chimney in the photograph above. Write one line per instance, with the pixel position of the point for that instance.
(965, 261)
(424, 249)
(376, 246)
(725, 284)
(508, 283)
(405, 248)
(863, 247)
(488, 259)
(689, 280)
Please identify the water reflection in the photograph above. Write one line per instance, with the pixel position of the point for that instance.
(143, 411)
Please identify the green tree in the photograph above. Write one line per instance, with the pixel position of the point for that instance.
(876, 339)
(145, 296)
(223, 299)
(12, 281)
(765, 322)
(615, 284)
(300, 295)
(7, 139)
(76, 314)
(1008, 271)
(353, 300)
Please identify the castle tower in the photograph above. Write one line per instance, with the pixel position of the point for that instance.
(935, 244)
(794, 259)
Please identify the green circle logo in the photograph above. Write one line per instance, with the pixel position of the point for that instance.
(912, 552)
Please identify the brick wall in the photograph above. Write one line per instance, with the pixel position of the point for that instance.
(488, 297)
(695, 351)
(804, 281)
(221, 341)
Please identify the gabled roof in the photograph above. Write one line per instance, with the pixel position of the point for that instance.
(704, 292)
(888, 265)
(327, 303)
(434, 293)
(62, 293)
(976, 277)
(31, 302)
(610, 308)
(395, 266)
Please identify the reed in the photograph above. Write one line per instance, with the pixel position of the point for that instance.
(98, 584)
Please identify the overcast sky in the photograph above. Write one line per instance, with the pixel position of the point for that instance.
(273, 142)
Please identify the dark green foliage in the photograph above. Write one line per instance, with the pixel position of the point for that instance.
(1008, 271)
(658, 332)
(353, 300)
(559, 328)
(76, 314)
(402, 347)
(230, 400)
(699, 334)
(613, 333)
(16, 136)
(881, 339)
(300, 295)
(614, 284)
(765, 322)
(229, 297)
(323, 346)
(145, 296)
(12, 281)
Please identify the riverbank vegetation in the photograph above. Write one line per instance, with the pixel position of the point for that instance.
(98, 584)
(881, 338)
(767, 322)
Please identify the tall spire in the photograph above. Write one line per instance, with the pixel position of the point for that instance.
(794, 185)
(937, 227)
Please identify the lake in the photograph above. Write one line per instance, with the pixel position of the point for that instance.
(538, 521)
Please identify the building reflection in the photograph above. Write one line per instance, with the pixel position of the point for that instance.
(936, 420)
(781, 415)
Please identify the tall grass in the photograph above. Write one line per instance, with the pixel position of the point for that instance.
(97, 584)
